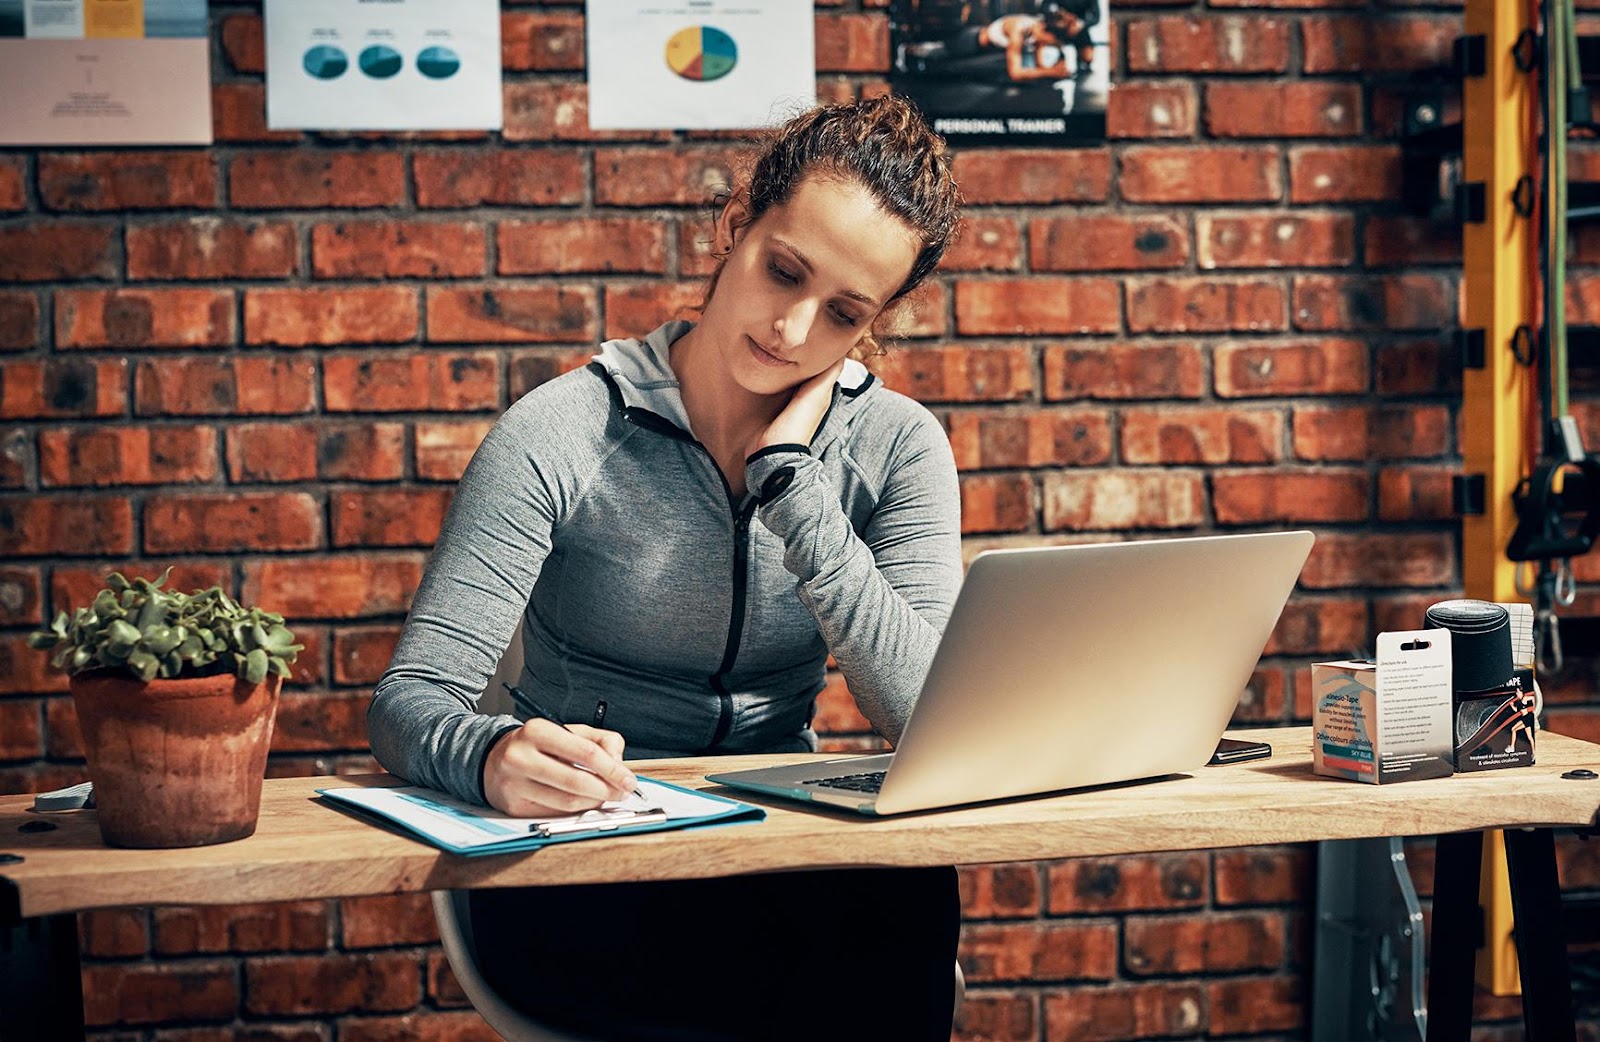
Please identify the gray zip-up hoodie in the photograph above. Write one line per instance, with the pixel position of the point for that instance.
(649, 604)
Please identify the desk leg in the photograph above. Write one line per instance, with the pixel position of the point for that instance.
(1457, 930)
(41, 992)
(1541, 940)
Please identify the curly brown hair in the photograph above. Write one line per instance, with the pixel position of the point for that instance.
(882, 144)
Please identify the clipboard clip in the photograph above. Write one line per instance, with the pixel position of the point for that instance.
(601, 820)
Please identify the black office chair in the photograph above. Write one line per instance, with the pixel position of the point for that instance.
(455, 935)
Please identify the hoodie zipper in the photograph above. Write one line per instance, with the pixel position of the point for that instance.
(741, 571)
(741, 566)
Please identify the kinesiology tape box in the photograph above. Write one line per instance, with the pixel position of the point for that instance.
(1386, 719)
(1496, 701)
(1496, 729)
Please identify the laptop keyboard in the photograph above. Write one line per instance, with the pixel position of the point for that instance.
(869, 782)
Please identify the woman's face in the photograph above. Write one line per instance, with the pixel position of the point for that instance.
(804, 282)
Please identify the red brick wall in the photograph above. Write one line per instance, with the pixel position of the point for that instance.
(266, 362)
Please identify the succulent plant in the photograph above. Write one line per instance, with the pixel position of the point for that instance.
(136, 626)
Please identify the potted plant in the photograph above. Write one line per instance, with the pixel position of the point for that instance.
(175, 695)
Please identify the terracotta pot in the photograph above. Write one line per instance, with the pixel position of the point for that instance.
(175, 763)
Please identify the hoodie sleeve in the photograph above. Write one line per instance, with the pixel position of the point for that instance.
(494, 540)
(880, 599)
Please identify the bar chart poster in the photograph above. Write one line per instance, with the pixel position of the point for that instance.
(396, 65)
(104, 72)
(699, 64)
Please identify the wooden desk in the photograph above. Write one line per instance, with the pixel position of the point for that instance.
(304, 849)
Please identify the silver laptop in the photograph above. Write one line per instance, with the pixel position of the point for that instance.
(1071, 666)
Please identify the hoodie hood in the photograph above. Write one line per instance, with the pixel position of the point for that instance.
(641, 372)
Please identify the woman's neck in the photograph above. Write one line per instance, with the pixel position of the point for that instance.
(724, 416)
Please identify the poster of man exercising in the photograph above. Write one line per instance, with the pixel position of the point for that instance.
(1004, 71)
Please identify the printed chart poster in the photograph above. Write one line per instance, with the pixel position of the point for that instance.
(700, 64)
(1004, 71)
(104, 72)
(395, 65)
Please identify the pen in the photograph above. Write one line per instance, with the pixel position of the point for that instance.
(525, 700)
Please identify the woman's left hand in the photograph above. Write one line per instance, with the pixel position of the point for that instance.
(798, 422)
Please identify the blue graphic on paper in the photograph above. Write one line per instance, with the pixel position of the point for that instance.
(470, 819)
(325, 62)
(438, 63)
(185, 19)
(380, 62)
(12, 22)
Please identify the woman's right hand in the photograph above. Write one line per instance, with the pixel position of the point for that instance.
(542, 768)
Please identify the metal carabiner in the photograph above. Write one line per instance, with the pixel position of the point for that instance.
(1566, 585)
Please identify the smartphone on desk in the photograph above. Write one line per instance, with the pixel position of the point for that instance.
(1237, 750)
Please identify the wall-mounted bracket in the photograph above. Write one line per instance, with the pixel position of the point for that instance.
(1467, 494)
(1470, 57)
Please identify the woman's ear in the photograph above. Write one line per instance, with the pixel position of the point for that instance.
(734, 216)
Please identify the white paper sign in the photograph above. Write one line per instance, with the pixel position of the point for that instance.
(396, 65)
(699, 64)
(104, 72)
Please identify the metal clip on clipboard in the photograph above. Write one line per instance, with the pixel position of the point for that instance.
(600, 820)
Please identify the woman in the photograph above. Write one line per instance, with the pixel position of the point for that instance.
(610, 513)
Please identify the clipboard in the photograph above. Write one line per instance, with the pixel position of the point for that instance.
(470, 829)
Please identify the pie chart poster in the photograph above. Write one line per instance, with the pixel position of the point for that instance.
(395, 65)
(699, 66)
